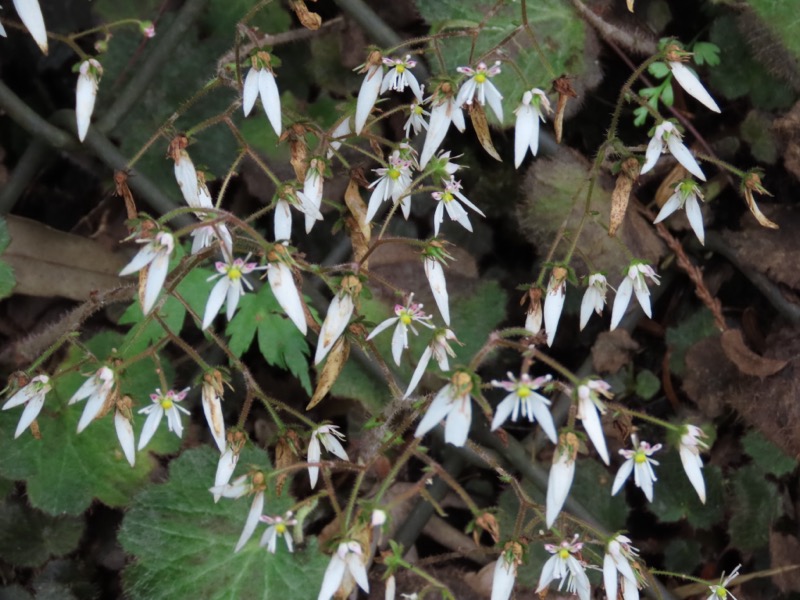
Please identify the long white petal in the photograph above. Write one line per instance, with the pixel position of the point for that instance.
(336, 321)
(437, 411)
(382, 326)
(85, 96)
(212, 408)
(32, 410)
(399, 343)
(435, 274)
(283, 221)
(143, 258)
(610, 577)
(522, 133)
(283, 287)
(559, 481)
(587, 306)
(270, 98)
(225, 468)
(186, 176)
(437, 129)
(459, 419)
(250, 91)
(314, 454)
(644, 481)
(150, 426)
(503, 581)
(622, 476)
(332, 578)
(31, 16)
(692, 85)
(590, 417)
(494, 99)
(643, 296)
(545, 420)
(652, 153)
(695, 216)
(232, 299)
(156, 276)
(22, 396)
(503, 411)
(672, 204)
(215, 300)
(358, 570)
(553, 305)
(419, 371)
(621, 301)
(367, 95)
(125, 435)
(683, 156)
(535, 136)
(88, 388)
(693, 465)
(93, 407)
(256, 509)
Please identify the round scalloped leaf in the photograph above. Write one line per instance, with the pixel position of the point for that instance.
(183, 542)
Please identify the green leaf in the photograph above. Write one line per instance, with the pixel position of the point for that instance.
(183, 542)
(675, 499)
(610, 511)
(756, 506)
(689, 331)
(706, 53)
(558, 31)
(7, 279)
(767, 456)
(647, 384)
(65, 471)
(682, 555)
(28, 537)
(150, 333)
(659, 69)
(667, 94)
(640, 115)
(756, 130)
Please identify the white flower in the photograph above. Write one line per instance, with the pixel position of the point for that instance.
(32, 396)
(278, 526)
(405, 317)
(454, 404)
(332, 439)
(186, 176)
(281, 281)
(505, 573)
(691, 84)
(391, 588)
(634, 282)
(256, 508)
(204, 236)
(399, 76)
(225, 468)
(590, 407)
(449, 200)
(348, 557)
(564, 566)
(229, 288)
(617, 559)
(526, 132)
(283, 221)
(250, 483)
(163, 404)
(370, 88)
(535, 314)
(523, 399)
(211, 394)
(594, 299)
(338, 317)
(86, 93)
(340, 131)
(444, 110)
(479, 85)
(667, 137)
(690, 446)
(393, 182)
(440, 349)
(260, 81)
(720, 591)
(416, 119)
(239, 487)
(155, 256)
(687, 193)
(640, 463)
(97, 389)
(124, 429)
(432, 262)
(378, 517)
(311, 196)
(559, 480)
(31, 16)
(554, 301)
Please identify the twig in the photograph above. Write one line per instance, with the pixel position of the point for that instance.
(609, 32)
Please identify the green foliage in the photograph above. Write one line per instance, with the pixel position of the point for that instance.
(675, 499)
(682, 555)
(689, 331)
(553, 22)
(65, 471)
(647, 384)
(183, 542)
(609, 511)
(28, 537)
(756, 505)
(279, 341)
(7, 279)
(706, 53)
(767, 456)
(756, 131)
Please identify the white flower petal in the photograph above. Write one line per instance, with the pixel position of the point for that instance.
(333, 577)
(652, 153)
(367, 95)
(143, 258)
(358, 570)
(156, 276)
(283, 287)
(559, 481)
(225, 468)
(125, 435)
(683, 156)
(85, 96)
(29, 414)
(587, 306)
(232, 299)
(553, 305)
(93, 407)
(693, 465)
(695, 216)
(459, 419)
(503, 582)
(545, 420)
(26, 393)
(215, 301)
(526, 119)
(399, 343)
(382, 326)
(283, 221)
(336, 321)
(691, 84)
(503, 411)
(622, 476)
(621, 301)
(435, 274)
(494, 99)
(437, 411)
(590, 417)
(437, 129)
(150, 426)
(270, 98)
(672, 204)
(31, 16)
(419, 371)
(314, 454)
(256, 509)
(212, 408)
(186, 176)
(643, 296)
(250, 91)
(610, 577)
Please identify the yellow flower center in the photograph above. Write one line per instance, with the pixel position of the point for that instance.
(166, 403)
(234, 273)
(480, 78)
(563, 554)
(639, 457)
(447, 197)
(280, 528)
(400, 68)
(417, 110)
(405, 318)
(393, 173)
(523, 391)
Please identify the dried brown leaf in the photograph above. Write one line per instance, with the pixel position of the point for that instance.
(621, 195)
(478, 117)
(613, 350)
(309, 20)
(747, 361)
(330, 372)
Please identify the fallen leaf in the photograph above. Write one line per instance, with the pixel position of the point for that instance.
(613, 350)
(478, 118)
(747, 361)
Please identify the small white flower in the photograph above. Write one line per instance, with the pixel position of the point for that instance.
(378, 517)
(283, 221)
(690, 446)
(155, 256)
(535, 314)
(433, 263)
(618, 558)
(416, 119)
(205, 236)
(479, 85)
(30, 13)
(564, 566)
(86, 93)
(399, 76)
(331, 438)
(311, 196)
(278, 526)
(32, 396)
(453, 403)
(691, 84)
(590, 407)
(505, 573)
(337, 318)
(440, 349)
(342, 130)
(720, 591)
(594, 299)
(163, 404)
(124, 429)
(686, 195)
(238, 488)
(349, 557)
(634, 282)
(667, 137)
(522, 398)
(639, 462)
(405, 317)
(225, 468)
(281, 281)
(449, 200)
(368, 94)
(97, 389)
(186, 176)
(229, 287)
(526, 132)
(444, 110)
(559, 480)
(260, 81)
(554, 299)
(393, 182)
(211, 394)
